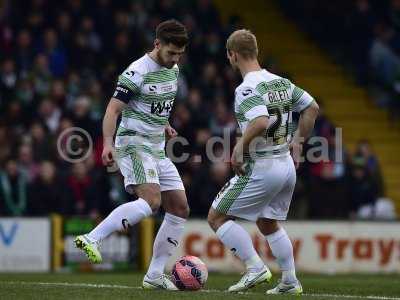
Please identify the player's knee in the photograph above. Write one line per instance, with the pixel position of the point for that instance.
(214, 220)
(267, 226)
(181, 211)
(185, 212)
(152, 196)
(155, 205)
(153, 202)
(211, 222)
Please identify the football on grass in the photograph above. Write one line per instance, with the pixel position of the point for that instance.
(189, 273)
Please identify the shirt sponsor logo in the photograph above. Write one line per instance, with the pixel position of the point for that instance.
(120, 88)
(159, 107)
(167, 88)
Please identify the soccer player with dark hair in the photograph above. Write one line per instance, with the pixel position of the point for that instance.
(145, 96)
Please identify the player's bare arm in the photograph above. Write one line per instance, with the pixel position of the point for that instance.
(256, 128)
(305, 127)
(114, 109)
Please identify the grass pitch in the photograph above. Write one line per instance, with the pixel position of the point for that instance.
(127, 286)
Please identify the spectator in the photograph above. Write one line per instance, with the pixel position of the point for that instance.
(6, 143)
(8, 80)
(24, 52)
(328, 182)
(48, 194)
(25, 94)
(81, 116)
(364, 152)
(57, 93)
(50, 114)
(323, 127)
(15, 117)
(101, 204)
(41, 75)
(222, 120)
(54, 52)
(198, 111)
(26, 163)
(13, 191)
(384, 61)
(84, 200)
(362, 188)
(64, 29)
(97, 106)
(360, 23)
(41, 142)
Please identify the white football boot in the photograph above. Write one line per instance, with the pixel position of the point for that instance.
(285, 288)
(251, 279)
(90, 247)
(162, 282)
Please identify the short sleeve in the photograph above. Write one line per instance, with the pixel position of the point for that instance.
(249, 105)
(300, 99)
(128, 86)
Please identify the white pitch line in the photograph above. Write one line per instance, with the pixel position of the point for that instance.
(69, 284)
(87, 285)
(352, 296)
(116, 286)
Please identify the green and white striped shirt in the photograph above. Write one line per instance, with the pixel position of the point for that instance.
(152, 90)
(265, 94)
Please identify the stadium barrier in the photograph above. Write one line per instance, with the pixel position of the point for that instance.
(322, 247)
(25, 244)
(45, 244)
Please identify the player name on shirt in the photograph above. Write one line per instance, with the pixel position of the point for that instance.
(278, 96)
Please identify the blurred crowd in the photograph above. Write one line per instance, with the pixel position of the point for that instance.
(59, 65)
(363, 34)
(340, 185)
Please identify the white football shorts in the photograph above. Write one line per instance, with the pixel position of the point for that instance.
(265, 191)
(139, 168)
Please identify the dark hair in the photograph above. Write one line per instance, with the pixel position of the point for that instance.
(172, 31)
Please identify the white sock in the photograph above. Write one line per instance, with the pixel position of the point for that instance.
(238, 240)
(167, 240)
(282, 249)
(132, 212)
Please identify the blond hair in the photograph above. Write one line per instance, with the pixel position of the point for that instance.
(244, 42)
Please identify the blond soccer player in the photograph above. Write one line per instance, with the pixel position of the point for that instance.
(265, 177)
